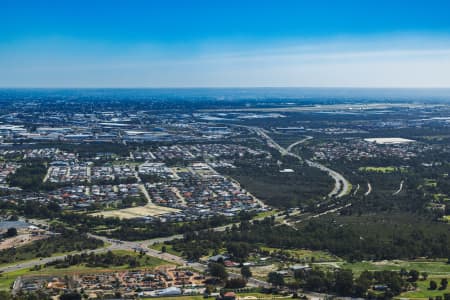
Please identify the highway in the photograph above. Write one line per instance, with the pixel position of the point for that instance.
(330, 211)
(369, 189)
(399, 189)
(42, 261)
(131, 246)
(356, 189)
(341, 185)
(298, 143)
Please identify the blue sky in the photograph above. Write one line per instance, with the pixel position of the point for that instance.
(186, 43)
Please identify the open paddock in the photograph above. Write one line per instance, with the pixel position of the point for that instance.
(149, 210)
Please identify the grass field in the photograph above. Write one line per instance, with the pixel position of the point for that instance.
(169, 248)
(242, 296)
(198, 297)
(6, 279)
(307, 255)
(430, 182)
(265, 214)
(422, 291)
(431, 267)
(389, 169)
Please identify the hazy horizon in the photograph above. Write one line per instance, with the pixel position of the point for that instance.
(297, 95)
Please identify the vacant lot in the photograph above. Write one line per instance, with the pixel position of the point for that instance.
(20, 240)
(149, 210)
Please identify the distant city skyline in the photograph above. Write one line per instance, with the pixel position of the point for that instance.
(224, 43)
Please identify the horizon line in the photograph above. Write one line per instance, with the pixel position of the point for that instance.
(225, 87)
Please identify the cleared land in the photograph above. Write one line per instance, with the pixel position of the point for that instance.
(20, 240)
(389, 141)
(149, 210)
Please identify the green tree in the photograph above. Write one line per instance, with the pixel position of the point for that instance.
(218, 270)
(239, 250)
(11, 232)
(235, 283)
(246, 272)
(276, 279)
(403, 272)
(433, 285)
(316, 282)
(362, 284)
(70, 296)
(444, 283)
(344, 282)
(413, 275)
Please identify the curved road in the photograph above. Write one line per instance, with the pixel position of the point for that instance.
(356, 190)
(133, 246)
(118, 245)
(369, 189)
(399, 189)
(288, 149)
(341, 185)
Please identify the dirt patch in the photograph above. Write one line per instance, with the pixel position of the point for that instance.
(149, 210)
(20, 240)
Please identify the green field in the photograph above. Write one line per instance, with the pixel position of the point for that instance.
(6, 279)
(389, 169)
(430, 182)
(169, 248)
(439, 267)
(198, 297)
(422, 291)
(249, 296)
(307, 255)
(265, 214)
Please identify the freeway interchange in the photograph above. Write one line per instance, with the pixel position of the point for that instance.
(341, 185)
